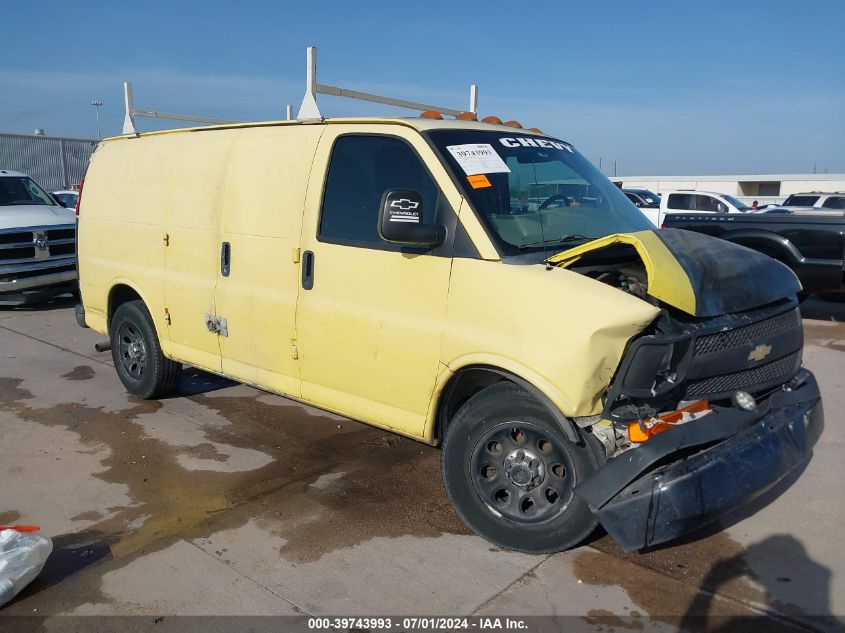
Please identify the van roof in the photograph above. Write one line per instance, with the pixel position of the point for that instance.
(417, 123)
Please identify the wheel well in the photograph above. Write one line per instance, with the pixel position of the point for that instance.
(469, 381)
(119, 294)
(766, 248)
(460, 388)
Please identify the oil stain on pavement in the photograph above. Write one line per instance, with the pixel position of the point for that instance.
(330, 484)
(80, 372)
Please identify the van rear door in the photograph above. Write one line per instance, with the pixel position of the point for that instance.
(258, 273)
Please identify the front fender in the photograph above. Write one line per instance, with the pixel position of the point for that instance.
(754, 238)
(543, 390)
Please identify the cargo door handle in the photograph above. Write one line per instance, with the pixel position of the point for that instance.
(225, 259)
(308, 270)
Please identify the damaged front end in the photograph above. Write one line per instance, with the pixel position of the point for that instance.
(710, 406)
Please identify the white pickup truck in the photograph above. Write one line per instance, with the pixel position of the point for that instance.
(693, 202)
(37, 242)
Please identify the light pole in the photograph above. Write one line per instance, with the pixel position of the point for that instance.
(97, 104)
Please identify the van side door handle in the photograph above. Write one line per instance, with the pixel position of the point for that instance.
(308, 270)
(225, 259)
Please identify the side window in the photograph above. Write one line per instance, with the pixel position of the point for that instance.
(708, 203)
(680, 201)
(633, 198)
(835, 202)
(361, 169)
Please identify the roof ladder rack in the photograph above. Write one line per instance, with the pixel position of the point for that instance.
(310, 110)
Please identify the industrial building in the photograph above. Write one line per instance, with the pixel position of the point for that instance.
(766, 188)
(54, 162)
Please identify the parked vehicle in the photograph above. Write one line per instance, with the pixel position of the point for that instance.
(67, 198)
(811, 242)
(575, 364)
(37, 242)
(817, 199)
(699, 201)
(643, 198)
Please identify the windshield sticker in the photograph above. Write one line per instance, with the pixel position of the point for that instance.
(479, 181)
(478, 158)
(527, 141)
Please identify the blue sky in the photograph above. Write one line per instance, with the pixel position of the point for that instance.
(659, 87)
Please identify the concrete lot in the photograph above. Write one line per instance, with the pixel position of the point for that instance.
(227, 500)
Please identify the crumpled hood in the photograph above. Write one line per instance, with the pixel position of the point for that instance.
(26, 215)
(699, 274)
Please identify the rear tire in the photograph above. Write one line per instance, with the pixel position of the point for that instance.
(510, 471)
(136, 352)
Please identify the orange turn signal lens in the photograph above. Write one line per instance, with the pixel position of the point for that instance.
(514, 124)
(431, 114)
(639, 433)
(492, 119)
(467, 116)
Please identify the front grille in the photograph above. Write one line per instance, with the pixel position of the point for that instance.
(60, 234)
(57, 250)
(27, 274)
(747, 334)
(18, 252)
(754, 379)
(37, 244)
(15, 237)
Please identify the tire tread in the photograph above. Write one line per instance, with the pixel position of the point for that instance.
(165, 372)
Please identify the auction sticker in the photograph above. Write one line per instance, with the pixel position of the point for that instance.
(478, 158)
(479, 181)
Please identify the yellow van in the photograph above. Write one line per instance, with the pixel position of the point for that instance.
(472, 285)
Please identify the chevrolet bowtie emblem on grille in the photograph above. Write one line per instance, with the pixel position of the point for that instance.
(760, 352)
(403, 204)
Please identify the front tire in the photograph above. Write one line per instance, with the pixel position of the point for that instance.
(510, 471)
(136, 352)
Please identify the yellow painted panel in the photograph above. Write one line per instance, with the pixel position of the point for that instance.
(120, 231)
(560, 331)
(262, 218)
(369, 331)
(197, 171)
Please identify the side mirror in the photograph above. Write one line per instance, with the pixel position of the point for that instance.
(60, 203)
(639, 204)
(400, 220)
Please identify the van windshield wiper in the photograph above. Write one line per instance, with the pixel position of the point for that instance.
(563, 239)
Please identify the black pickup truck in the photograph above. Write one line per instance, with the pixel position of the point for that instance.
(812, 245)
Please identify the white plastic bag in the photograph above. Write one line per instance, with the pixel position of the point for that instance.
(22, 556)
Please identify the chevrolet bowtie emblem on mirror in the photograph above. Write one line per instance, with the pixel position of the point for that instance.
(403, 204)
(760, 352)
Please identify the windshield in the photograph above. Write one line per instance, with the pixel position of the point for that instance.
(534, 193)
(650, 198)
(739, 205)
(16, 190)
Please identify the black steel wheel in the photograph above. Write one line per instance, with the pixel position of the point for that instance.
(520, 471)
(510, 472)
(141, 366)
(131, 352)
